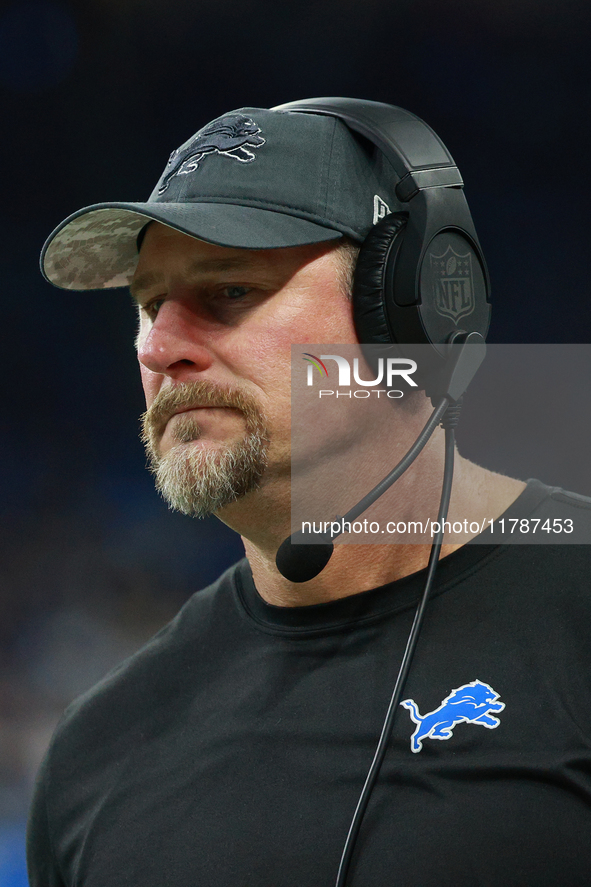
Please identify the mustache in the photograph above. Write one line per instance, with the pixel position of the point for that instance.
(191, 395)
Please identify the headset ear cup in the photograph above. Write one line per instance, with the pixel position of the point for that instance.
(369, 296)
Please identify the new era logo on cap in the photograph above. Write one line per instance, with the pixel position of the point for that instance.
(380, 209)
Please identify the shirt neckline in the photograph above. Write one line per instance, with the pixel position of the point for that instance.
(386, 600)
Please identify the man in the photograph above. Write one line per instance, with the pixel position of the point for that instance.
(231, 750)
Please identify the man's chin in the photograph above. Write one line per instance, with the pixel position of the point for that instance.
(207, 457)
(202, 477)
(204, 444)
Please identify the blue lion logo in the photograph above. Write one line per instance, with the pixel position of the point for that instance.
(227, 135)
(469, 704)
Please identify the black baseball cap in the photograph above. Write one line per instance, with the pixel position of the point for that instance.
(253, 178)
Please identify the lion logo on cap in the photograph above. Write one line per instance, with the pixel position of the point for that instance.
(231, 136)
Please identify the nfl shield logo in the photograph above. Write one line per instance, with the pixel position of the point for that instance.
(453, 283)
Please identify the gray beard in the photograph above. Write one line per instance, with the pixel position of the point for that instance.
(194, 480)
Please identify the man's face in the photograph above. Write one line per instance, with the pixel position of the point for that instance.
(216, 326)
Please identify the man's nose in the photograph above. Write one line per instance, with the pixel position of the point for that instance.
(176, 343)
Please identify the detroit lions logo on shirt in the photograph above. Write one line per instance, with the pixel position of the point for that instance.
(231, 136)
(471, 703)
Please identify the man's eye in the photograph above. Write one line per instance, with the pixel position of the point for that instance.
(236, 292)
(152, 308)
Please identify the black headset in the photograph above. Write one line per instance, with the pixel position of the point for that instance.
(421, 277)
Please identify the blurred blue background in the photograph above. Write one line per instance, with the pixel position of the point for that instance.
(94, 95)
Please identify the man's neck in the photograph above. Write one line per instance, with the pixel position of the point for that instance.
(478, 494)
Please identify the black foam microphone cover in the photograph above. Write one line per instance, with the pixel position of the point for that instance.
(302, 562)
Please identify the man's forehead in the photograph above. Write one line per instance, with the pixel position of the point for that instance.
(164, 248)
(146, 279)
(188, 255)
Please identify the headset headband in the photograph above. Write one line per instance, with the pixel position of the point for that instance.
(421, 276)
(417, 154)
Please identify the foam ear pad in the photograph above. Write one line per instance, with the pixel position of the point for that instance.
(369, 281)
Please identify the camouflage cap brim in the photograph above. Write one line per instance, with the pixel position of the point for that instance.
(96, 247)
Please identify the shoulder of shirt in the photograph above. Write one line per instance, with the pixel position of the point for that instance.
(541, 500)
(551, 503)
(573, 499)
(549, 496)
(128, 694)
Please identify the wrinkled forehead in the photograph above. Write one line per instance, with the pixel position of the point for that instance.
(166, 252)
